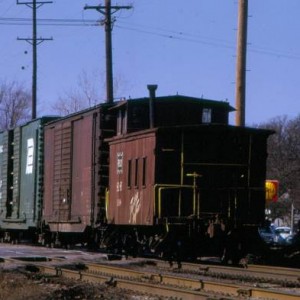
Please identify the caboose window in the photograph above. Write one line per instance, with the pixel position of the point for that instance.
(119, 123)
(136, 173)
(144, 171)
(122, 122)
(206, 115)
(129, 169)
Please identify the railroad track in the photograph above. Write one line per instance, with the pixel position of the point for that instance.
(256, 273)
(166, 285)
(250, 273)
(192, 281)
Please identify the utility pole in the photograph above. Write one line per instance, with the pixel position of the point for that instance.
(241, 63)
(34, 41)
(108, 10)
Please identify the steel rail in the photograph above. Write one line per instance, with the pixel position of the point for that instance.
(142, 287)
(216, 287)
(250, 271)
(121, 276)
(254, 272)
(273, 269)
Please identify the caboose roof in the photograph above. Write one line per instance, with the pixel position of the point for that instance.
(190, 128)
(176, 99)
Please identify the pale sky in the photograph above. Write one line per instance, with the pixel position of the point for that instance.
(185, 47)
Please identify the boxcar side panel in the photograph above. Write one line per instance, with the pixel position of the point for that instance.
(62, 171)
(82, 184)
(6, 175)
(48, 172)
(3, 176)
(16, 173)
(28, 173)
(24, 205)
(57, 185)
(71, 158)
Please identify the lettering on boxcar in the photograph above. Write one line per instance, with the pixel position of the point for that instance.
(119, 162)
(134, 208)
(30, 152)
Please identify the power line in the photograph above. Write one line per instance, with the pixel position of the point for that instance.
(178, 36)
(193, 38)
(50, 20)
(50, 24)
(148, 30)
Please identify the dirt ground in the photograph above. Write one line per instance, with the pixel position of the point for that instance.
(19, 284)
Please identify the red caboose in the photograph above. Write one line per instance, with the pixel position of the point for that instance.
(163, 175)
(135, 167)
(185, 171)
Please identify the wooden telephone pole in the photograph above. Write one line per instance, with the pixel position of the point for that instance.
(34, 41)
(241, 63)
(107, 11)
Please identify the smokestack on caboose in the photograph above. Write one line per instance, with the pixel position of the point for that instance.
(152, 88)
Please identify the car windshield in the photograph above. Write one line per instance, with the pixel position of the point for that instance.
(282, 230)
(266, 230)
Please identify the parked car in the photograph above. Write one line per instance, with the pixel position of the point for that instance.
(276, 235)
(283, 235)
(267, 233)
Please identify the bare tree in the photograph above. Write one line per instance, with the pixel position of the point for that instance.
(83, 96)
(283, 161)
(89, 92)
(284, 151)
(15, 105)
(70, 103)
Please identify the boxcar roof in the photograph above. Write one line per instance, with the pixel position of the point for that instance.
(43, 119)
(83, 111)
